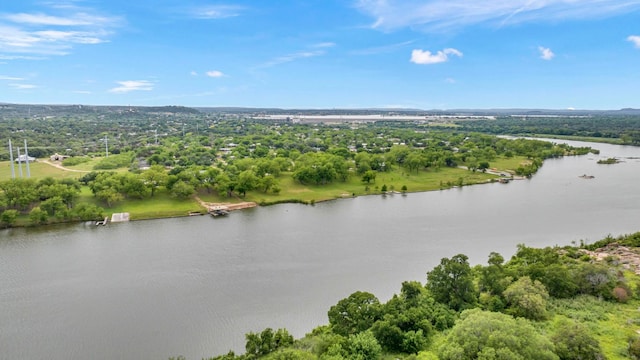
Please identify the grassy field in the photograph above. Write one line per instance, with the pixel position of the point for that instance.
(38, 170)
(426, 180)
(162, 205)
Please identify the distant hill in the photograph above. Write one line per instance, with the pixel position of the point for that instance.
(7, 109)
(61, 110)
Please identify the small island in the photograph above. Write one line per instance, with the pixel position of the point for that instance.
(608, 161)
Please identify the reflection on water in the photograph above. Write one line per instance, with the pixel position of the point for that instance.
(196, 285)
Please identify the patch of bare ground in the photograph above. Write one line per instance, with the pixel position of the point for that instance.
(629, 258)
(227, 206)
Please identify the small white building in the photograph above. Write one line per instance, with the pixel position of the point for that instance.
(23, 158)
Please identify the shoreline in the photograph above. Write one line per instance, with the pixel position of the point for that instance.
(206, 207)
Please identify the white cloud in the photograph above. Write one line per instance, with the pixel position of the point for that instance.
(193, 73)
(450, 80)
(546, 53)
(291, 57)
(217, 11)
(55, 32)
(382, 49)
(23, 86)
(132, 85)
(635, 39)
(425, 57)
(10, 78)
(78, 19)
(438, 15)
(215, 74)
(324, 45)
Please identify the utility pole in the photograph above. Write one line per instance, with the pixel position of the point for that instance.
(26, 155)
(13, 166)
(106, 145)
(19, 162)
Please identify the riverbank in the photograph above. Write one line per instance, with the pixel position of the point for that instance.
(398, 180)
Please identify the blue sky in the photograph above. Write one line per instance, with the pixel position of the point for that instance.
(428, 54)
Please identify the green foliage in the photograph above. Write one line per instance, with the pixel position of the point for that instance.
(114, 162)
(451, 283)
(38, 216)
(182, 190)
(363, 346)
(526, 298)
(573, 341)
(266, 342)
(8, 217)
(88, 212)
(354, 314)
(76, 160)
(634, 348)
(488, 335)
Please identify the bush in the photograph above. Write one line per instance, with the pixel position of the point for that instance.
(620, 294)
(114, 162)
(573, 342)
(72, 161)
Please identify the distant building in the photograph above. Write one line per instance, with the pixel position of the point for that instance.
(58, 157)
(23, 158)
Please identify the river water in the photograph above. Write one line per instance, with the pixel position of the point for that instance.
(194, 286)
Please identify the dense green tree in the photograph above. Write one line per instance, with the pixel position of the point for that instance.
(54, 207)
(182, 190)
(8, 217)
(38, 216)
(488, 335)
(363, 346)
(573, 341)
(354, 314)
(369, 176)
(88, 212)
(247, 181)
(451, 283)
(19, 193)
(266, 342)
(526, 298)
(154, 178)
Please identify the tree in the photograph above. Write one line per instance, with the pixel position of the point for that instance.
(247, 181)
(182, 190)
(54, 207)
(451, 283)
(133, 186)
(364, 346)
(415, 161)
(9, 217)
(37, 216)
(88, 212)
(489, 335)
(266, 342)
(369, 175)
(527, 299)
(354, 314)
(155, 177)
(574, 342)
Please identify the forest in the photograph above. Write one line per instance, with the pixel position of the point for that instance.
(572, 302)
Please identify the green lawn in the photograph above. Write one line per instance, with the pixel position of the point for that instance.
(38, 170)
(162, 205)
(424, 180)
